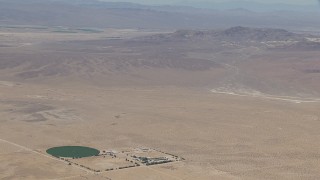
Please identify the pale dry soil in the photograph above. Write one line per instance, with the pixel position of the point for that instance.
(102, 163)
(220, 136)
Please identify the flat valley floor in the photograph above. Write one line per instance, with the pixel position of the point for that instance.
(220, 135)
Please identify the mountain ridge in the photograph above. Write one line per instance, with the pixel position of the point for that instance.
(130, 15)
(237, 33)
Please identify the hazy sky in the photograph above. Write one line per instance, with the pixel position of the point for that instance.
(302, 2)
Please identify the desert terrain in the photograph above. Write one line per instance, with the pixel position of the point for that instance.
(237, 103)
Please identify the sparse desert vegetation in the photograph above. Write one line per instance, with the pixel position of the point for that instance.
(170, 99)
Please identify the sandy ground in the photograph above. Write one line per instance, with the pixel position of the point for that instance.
(220, 136)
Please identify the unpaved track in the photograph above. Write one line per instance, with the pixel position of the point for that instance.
(281, 98)
(44, 155)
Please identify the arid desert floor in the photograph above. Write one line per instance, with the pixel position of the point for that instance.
(220, 134)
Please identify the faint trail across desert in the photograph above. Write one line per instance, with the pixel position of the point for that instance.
(33, 151)
(285, 98)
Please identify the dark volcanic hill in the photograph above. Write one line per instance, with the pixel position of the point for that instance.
(234, 34)
(254, 34)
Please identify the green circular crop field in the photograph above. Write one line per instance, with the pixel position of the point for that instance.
(73, 151)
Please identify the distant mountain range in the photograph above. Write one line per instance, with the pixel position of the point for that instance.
(85, 13)
(252, 6)
(233, 34)
(237, 59)
(249, 5)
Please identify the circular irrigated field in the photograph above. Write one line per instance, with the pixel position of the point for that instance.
(73, 151)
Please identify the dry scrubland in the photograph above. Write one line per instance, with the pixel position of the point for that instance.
(221, 136)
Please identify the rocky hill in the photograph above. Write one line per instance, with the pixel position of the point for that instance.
(233, 34)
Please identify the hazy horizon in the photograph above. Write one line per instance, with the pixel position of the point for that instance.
(254, 5)
(172, 2)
